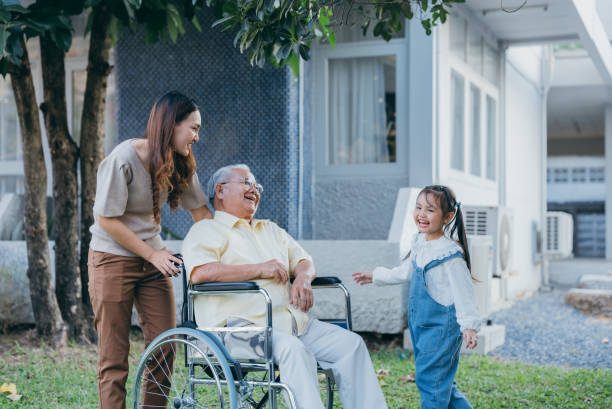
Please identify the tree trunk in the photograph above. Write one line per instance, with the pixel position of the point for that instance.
(64, 155)
(92, 132)
(44, 304)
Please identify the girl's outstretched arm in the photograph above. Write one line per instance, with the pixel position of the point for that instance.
(362, 277)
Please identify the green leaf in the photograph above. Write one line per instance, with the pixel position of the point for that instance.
(284, 51)
(62, 39)
(135, 3)
(294, 63)
(222, 21)
(172, 32)
(3, 37)
(7, 3)
(332, 40)
(113, 30)
(196, 23)
(129, 8)
(4, 66)
(16, 8)
(304, 52)
(424, 4)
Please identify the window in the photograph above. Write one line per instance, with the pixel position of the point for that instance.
(362, 110)
(10, 137)
(458, 34)
(358, 91)
(475, 46)
(597, 175)
(11, 152)
(475, 154)
(491, 137)
(560, 175)
(475, 67)
(457, 112)
(579, 175)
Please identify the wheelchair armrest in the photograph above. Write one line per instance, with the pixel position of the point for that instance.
(323, 281)
(226, 286)
(326, 281)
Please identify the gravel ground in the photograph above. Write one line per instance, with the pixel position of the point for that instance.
(543, 330)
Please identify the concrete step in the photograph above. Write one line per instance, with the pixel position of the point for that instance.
(489, 338)
(590, 301)
(596, 282)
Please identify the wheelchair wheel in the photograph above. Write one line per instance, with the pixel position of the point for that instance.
(184, 368)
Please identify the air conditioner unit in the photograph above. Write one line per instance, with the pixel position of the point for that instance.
(559, 234)
(481, 255)
(494, 221)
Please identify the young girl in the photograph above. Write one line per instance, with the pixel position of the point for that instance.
(441, 304)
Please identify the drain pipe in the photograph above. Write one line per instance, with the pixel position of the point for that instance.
(547, 64)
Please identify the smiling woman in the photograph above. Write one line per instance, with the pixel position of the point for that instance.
(126, 253)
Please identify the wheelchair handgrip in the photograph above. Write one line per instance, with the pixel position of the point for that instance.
(323, 281)
(226, 286)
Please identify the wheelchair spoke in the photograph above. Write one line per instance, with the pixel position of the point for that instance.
(167, 378)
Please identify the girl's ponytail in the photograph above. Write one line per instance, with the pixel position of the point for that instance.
(459, 227)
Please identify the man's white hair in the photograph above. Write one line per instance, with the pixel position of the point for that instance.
(221, 175)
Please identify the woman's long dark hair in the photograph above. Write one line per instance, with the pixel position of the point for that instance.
(447, 201)
(169, 170)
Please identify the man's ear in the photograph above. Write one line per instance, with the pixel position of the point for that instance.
(219, 190)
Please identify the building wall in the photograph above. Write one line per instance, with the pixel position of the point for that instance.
(525, 105)
(249, 115)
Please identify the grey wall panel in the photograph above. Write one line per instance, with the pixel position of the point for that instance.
(250, 115)
(355, 209)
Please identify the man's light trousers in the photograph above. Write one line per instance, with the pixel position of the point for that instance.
(333, 347)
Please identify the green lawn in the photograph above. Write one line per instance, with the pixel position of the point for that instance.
(66, 378)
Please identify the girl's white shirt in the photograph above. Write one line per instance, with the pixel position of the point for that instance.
(447, 283)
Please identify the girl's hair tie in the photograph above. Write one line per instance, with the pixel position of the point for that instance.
(458, 204)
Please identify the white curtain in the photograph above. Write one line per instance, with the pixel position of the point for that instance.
(357, 116)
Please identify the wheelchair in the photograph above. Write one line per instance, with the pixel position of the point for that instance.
(221, 367)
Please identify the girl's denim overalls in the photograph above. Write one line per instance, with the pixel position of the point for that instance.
(436, 338)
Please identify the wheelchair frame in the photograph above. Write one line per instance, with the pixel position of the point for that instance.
(220, 360)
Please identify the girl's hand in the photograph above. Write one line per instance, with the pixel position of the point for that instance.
(470, 338)
(362, 277)
(164, 261)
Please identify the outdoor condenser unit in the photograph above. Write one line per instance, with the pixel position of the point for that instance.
(496, 222)
(481, 255)
(559, 234)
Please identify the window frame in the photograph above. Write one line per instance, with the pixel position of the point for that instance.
(321, 55)
(473, 78)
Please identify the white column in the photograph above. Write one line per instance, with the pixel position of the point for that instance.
(608, 150)
(421, 66)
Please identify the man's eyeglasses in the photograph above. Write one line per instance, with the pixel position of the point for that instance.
(247, 184)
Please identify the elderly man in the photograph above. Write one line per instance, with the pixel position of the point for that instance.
(234, 246)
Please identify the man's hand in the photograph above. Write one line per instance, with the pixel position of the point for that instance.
(301, 293)
(273, 269)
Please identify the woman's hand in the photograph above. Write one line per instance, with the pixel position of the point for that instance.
(164, 261)
(362, 277)
(470, 338)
